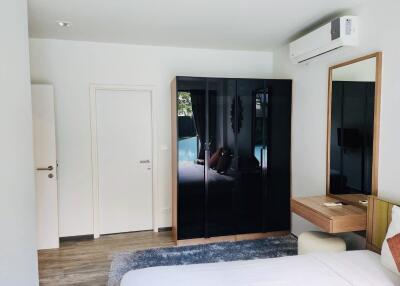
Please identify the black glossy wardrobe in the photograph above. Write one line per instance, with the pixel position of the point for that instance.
(231, 156)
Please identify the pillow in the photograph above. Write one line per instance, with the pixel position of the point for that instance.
(215, 158)
(390, 255)
(394, 246)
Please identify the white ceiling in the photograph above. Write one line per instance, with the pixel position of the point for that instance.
(220, 24)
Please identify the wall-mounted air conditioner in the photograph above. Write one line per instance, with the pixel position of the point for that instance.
(340, 32)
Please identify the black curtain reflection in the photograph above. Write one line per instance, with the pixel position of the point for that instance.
(199, 116)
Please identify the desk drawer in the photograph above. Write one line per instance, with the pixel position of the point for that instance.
(312, 216)
(346, 218)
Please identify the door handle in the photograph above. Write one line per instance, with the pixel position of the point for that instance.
(49, 168)
(144, 161)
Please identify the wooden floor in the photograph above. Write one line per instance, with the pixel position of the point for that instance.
(87, 262)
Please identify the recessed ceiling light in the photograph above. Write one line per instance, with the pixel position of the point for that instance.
(64, 24)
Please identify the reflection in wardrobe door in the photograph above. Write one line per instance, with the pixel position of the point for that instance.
(220, 180)
(277, 205)
(191, 100)
(249, 144)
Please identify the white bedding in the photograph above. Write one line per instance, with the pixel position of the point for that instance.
(357, 268)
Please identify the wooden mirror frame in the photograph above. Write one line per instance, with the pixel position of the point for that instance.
(377, 111)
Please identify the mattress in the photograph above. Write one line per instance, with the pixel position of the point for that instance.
(356, 268)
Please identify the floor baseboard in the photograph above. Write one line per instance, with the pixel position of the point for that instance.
(77, 238)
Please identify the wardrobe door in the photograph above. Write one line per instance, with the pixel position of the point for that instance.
(277, 205)
(250, 133)
(220, 148)
(191, 107)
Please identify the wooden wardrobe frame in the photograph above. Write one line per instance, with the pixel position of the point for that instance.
(174, 171)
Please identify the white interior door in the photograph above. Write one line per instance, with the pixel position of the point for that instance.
(124, 149)
(44, 133)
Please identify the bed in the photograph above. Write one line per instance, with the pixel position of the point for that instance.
(355, 268)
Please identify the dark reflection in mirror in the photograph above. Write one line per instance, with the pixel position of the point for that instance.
(352, 123)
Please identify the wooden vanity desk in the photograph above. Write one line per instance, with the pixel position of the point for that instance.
(337, 219)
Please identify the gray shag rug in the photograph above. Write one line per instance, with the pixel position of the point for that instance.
(206, 253)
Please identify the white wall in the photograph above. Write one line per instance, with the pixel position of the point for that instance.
(379, 32)
(72, 66)
(18, 258)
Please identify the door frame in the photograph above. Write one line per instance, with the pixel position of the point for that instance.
(95, 172)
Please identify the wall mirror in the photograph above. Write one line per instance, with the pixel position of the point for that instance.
(353, 127)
